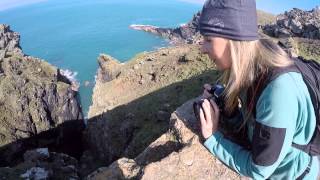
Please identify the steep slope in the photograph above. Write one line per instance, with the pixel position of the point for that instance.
(34, 98)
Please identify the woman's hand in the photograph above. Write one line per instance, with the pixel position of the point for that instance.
(209, 118)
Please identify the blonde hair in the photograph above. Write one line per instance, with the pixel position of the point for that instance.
(250, 60)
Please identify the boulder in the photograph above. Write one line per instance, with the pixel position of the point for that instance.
(40, 164)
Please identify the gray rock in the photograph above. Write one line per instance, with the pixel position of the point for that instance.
(42, 165)
(297, 23)
(36, 173)
(296, 26)
(9, 40)
(2, 54)
(36, 155)
(282, 33)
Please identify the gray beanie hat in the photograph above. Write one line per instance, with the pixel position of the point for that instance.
(231, 19)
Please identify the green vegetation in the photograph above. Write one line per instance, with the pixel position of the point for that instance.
(141, 115)
(265, 18)
(308, 48)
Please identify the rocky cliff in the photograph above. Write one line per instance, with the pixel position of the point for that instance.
(38, 107)
(296, 23)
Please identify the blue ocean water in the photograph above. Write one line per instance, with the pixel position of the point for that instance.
(71, 34)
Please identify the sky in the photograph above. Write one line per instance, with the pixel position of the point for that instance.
(278, 6)
(271, 6)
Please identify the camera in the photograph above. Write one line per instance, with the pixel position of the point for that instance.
(217, 96)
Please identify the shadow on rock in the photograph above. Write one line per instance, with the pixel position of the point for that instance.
(127, 130)
(65, 138)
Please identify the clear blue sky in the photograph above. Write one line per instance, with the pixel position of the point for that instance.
(272, 6)
(278, 6)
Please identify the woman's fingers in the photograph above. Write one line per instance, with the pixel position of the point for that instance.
(207, 110)
(202, 117)
(215, 107)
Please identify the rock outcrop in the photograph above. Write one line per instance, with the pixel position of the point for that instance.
(109, 68)
(41, 164)
(187, 33)
(296, 23)
(177, 154)
(132, 110)
(37, 104)
(9, 41)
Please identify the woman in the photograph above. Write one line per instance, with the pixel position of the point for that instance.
(283, 113)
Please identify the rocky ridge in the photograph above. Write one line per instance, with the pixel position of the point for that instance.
(37, 104)
(296, 23)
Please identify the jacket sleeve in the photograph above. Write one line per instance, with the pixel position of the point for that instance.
(277, 112)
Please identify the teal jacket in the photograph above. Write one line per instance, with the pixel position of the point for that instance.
(285, 115)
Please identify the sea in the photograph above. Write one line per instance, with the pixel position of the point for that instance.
(71, 34)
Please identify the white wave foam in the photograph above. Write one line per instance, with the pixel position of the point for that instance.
(133, 26)
(69, 74)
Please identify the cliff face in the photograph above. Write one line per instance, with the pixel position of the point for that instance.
(34, 98)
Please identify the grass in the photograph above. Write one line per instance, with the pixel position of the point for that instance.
(265, 18)
(308, 48)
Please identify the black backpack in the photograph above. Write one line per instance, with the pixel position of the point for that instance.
(310, 71)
